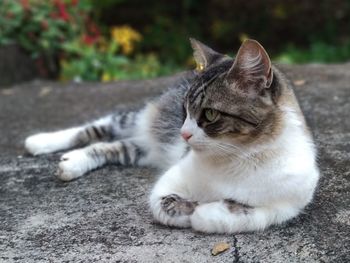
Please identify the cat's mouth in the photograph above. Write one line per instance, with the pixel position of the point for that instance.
(198, 146)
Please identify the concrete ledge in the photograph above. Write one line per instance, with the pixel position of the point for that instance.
(104, 216)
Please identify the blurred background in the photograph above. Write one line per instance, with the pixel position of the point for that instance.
(91, 40)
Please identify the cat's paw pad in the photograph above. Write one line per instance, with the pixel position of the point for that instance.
(73, 165)
(39, 144)
(174, 205)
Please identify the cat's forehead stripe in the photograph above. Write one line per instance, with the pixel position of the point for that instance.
(206, 79)
(199, 92)
(197, 95)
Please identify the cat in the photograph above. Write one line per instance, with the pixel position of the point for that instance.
(231, 138)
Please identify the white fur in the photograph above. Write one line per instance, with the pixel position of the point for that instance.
(51, 142)
(157, 156)
(75, 164)
(276, 189)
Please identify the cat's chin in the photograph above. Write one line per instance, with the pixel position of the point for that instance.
(197, 148)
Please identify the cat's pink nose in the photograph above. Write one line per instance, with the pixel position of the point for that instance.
(186, 135)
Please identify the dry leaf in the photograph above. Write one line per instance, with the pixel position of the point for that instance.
(44, 91)
(219, 248)
(7, 92)
(299, 82)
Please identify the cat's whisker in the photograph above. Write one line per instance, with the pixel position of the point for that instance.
(230, 150)
(216, 151)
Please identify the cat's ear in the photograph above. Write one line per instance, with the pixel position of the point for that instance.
(203, 55)
(252, 64)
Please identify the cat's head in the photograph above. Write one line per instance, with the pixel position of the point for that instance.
(232, 103)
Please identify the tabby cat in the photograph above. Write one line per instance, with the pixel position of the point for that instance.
(233, 142)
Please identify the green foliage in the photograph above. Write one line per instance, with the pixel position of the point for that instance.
(88, 62)
(93, 64)
(41, 26)
(172, 42)
(64, 30)
(306, 31)
(318, 52)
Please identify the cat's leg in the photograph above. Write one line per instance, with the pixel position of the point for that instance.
(124, 152)
(231, 217)
(120, 125)
(169, 201)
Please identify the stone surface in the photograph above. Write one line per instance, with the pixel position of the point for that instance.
(104, 216)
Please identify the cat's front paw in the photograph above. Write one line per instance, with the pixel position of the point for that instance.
(174, 205)
(39, 144)
(163, 210)
(207, 219)
(73, 165)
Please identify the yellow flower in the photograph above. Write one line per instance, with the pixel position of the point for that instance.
(125, 36)
(106, 77)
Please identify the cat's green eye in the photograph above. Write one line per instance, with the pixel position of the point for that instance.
(211, 114)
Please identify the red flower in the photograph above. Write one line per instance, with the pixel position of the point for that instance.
(93, 29)
(93, 33)
(62, 12)
(25, 4)
(74, 2)
(89, 40)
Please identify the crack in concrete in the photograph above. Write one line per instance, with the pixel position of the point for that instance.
(235, 251)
